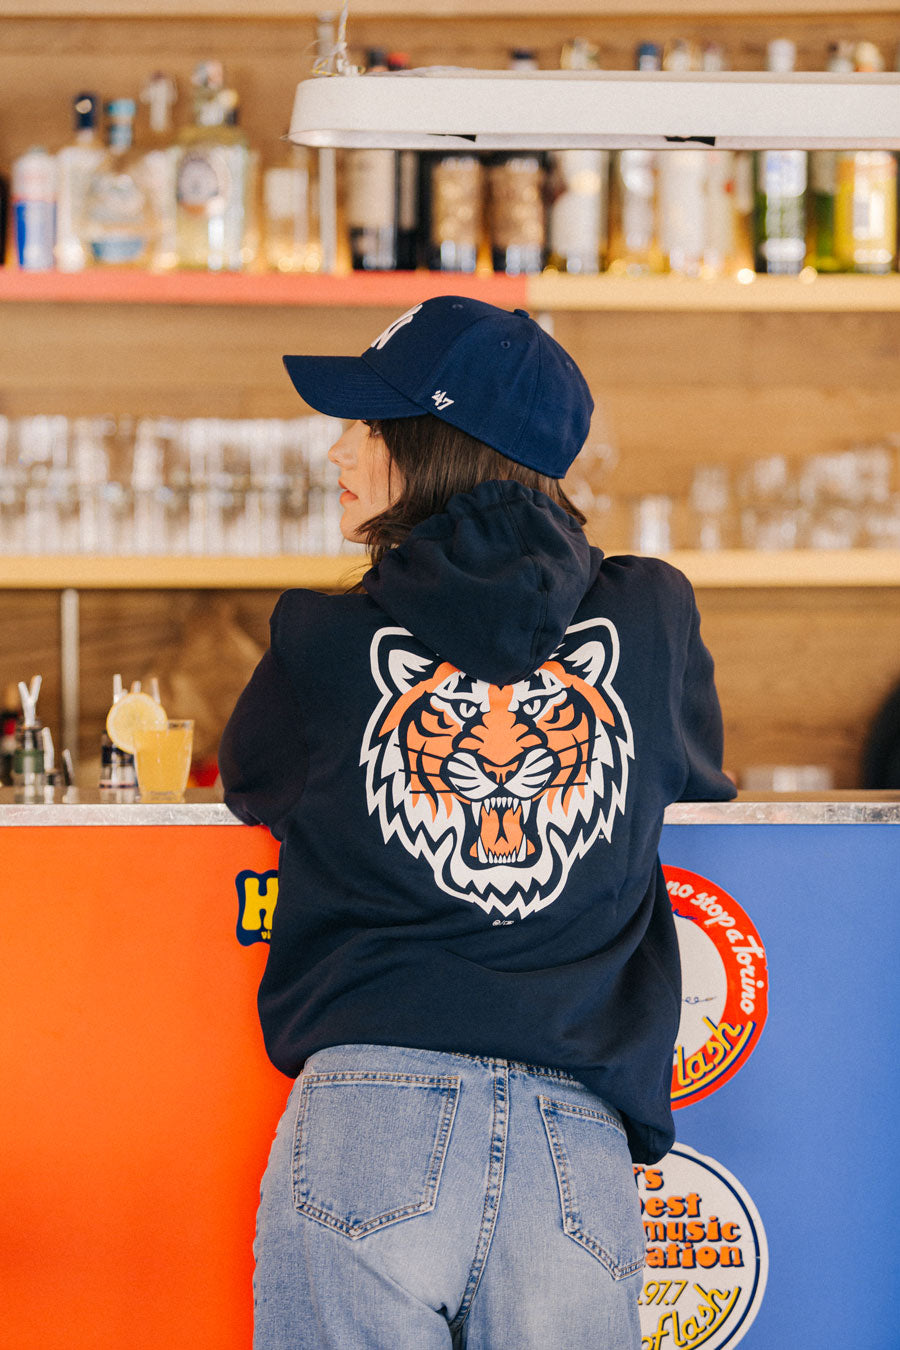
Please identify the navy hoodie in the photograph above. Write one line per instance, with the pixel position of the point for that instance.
(467, 767)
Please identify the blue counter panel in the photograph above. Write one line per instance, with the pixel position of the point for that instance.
(808, 1125)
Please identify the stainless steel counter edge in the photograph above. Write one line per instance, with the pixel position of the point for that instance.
(202, 808)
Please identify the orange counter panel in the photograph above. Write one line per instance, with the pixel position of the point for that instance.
(138, 1102)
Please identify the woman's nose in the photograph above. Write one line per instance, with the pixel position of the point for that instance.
(342, 452)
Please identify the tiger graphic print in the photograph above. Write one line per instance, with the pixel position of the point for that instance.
(500, 788)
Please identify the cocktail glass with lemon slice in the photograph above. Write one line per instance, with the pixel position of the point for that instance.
(161, 746)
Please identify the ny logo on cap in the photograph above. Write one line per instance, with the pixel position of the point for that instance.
(384, 338)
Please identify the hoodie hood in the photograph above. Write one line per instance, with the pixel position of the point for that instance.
(491, 583)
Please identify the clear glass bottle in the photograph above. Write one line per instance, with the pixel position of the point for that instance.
(578, 215)
(682, 186)
(118, 226)
(780, 192)
(75, 165)
(158, 167)
(291, 214)
(213, 180)
(634, 238)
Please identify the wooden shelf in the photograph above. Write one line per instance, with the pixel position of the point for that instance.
(94, 572)
(464, 9)
(389, 289)
(547, 292)
(806, 294)
(733, 569)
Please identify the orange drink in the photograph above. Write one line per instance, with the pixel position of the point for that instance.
(162, 757)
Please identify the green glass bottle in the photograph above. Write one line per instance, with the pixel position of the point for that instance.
(780, 193)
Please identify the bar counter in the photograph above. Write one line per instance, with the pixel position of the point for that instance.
(140, 1105)
(205, 807)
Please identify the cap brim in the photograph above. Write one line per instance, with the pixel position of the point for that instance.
(346, 386)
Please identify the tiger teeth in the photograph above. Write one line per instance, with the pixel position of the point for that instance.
(500, 803)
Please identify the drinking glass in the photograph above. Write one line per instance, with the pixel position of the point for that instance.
(162, 758)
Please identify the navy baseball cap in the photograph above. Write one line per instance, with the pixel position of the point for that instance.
(493, 373)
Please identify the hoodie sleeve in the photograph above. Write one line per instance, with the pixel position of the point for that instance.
(701, 723)
(262, 754)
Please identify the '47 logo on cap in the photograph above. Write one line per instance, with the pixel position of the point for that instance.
(440, 398)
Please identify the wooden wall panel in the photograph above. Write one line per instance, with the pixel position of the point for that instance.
(801, 673)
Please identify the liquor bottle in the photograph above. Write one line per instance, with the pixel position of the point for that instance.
(578, 216)
(213, 179)
(371, 179)
(117, 225)
(823, 181)
(34, 209)
(451, 210)
(291, 214)
(408, 194)
(780, 192)
(682, 210)
(517, 215)
(158, 167)
(865, 211)
(724, 204)
(634, 243)
(75, 164)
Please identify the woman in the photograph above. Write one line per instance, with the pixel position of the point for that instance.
(473, 958)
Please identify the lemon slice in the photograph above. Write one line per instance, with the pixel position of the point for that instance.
(131, 714)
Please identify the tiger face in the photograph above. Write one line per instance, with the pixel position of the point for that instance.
(500, 788)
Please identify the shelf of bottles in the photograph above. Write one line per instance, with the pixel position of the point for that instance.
(193, 217)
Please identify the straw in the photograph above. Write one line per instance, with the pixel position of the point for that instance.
(28, 708)
(49, 752)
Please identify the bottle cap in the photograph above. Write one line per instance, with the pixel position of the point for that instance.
(648, 56)
(121, 108)
(781, 55)
(868, 57)
(84, 111)
(208, 75)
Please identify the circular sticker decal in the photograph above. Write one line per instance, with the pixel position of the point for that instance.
(724, 986)
(707, 1257)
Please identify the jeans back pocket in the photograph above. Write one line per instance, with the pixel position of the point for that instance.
(369, 1147)
(594, 1176)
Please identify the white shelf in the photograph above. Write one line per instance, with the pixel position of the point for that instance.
(551, 109)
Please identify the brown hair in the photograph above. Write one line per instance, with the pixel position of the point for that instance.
(437, 460)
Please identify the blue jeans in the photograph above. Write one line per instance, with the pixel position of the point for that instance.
(416, 1200)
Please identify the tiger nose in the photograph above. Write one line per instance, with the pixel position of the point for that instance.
(501, 772)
